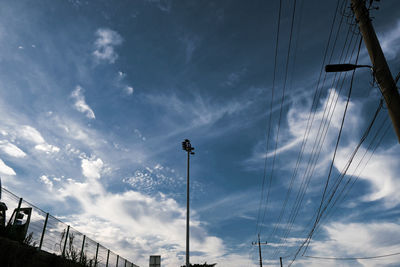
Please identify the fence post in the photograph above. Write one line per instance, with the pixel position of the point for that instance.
(125, 263)
(18, 208)
(83, 247)
(65, 242)
(44, 230)
(108, 256)
(116, 265)
(97, 252)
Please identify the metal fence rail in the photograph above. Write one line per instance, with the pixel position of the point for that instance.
(49, 234)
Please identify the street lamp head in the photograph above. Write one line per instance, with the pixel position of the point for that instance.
(343, 67)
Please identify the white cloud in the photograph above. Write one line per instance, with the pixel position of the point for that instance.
(80, 103)
(11, 149)
(150, 179)
(150, 225)
(381, 171)
(7, 170)
(47, 148)
(91, 168)
(128, 90)
(44, 179)
(297, 119)
(104, 45)
(356, 240)
(31, 134)
(121, 75)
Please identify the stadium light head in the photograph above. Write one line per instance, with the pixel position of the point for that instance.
(187, 146)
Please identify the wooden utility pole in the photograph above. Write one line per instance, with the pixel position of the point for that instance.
(380, 67)
(259, 248)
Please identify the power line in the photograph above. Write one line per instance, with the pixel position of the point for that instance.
(270, 116)
(334, 188)
(315, 154)
(338, 140)
(353, 258)
(281, 106)
(306, 241)
(319, 141)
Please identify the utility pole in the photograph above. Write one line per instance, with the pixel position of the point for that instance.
(259, 248)
(380, 67)
(280, 259)
(189, 149)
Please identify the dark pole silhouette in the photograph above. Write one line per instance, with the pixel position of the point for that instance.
(189, 149)
(381, 69)
(259, 248)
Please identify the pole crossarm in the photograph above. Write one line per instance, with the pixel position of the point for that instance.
(258, 243)
(381, 69)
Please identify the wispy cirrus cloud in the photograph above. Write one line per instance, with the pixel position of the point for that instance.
(104, 45)
(80, 102)
(191, 43)
(163, 5)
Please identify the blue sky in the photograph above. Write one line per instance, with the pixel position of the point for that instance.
(96, 97)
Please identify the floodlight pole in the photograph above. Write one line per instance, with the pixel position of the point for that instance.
(189, 149)
(381, 69)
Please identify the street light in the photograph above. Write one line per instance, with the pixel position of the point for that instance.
(189, 149)
(343, 67)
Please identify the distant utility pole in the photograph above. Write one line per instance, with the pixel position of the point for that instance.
(259, 247)
(280, 260)
(189, 149)
(380, 67)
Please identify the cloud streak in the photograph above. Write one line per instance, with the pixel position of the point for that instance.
(80, 103)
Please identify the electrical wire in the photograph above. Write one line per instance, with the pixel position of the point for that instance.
(309, 125)
(353, 258)
(270, 118)
(315, 155)
(281, 106)
(318, 143)
(309, 237)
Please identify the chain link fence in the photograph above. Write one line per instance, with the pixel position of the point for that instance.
(49, 234)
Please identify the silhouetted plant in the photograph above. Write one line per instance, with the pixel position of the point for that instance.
(29, 240)
(73, 254)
